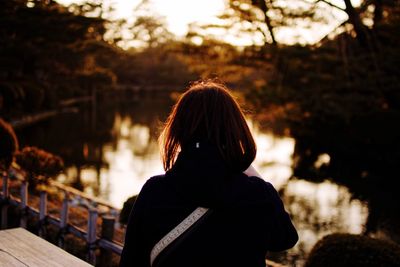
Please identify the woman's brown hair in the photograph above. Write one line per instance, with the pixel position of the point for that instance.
(207, 111)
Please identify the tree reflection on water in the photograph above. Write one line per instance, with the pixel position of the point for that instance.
(317, 208)
(321, 209)
(116, 160)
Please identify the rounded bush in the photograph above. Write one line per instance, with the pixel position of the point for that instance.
(353, 250)
(39, 164)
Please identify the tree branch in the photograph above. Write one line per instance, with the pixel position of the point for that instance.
(332, 5)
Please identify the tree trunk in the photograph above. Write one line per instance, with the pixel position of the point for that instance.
(355, 20)
(378, 12)
(263, 6)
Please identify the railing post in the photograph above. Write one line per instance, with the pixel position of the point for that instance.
(115, 213)
(63, 219)
(23, 205)
(4, 205)
(42, 213)
(107, 233)
(91, 235)
(6, 192)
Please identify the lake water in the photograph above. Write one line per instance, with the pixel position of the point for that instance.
(117, 164)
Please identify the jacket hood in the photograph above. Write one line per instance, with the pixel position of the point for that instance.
(202, 177)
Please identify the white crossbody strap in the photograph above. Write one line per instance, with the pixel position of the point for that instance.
(176, 232)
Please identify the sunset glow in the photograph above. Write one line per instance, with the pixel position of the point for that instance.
(178, 13)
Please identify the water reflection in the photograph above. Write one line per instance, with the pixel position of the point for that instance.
(115, 161)
(317, 208)
(132, 159)
(274, 156)
(321, 209)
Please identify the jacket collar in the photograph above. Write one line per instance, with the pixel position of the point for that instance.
(201, 174)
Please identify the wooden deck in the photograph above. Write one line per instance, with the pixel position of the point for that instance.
(19, 247)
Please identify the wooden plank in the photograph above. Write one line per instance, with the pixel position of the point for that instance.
(22, 248)
(77, 100)
(77, 192)
(42, 213)
(113, 246)
(107, 232)
(91, 235)
(24, 202)
(6, 191)
(43, 205)
(4, 198)
(32, 118)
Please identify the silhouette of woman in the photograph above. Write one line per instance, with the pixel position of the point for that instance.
(207, 151)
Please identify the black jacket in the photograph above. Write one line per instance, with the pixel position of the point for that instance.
(247, 220)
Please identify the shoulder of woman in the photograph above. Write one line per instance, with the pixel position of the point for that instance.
(258, 181)
(149, 189)
(253, 191)
(261, 186)
(153, 181)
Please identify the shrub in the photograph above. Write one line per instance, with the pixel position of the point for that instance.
(40, 165)
(353, 250)
(126, 209)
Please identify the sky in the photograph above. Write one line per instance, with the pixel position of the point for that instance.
(179, 13)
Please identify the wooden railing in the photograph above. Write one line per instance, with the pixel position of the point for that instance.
(71, 197)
